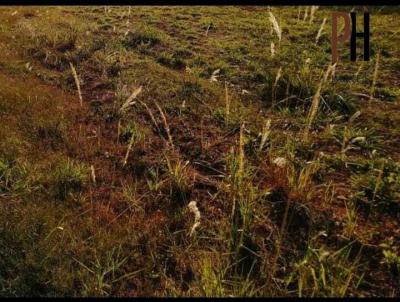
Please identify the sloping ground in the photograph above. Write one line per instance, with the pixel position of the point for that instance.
(94, 199)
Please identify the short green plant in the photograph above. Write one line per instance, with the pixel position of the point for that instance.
(379, 187)
(171, 61)
(300, 179)
(211, 280)
(69, 177)
(322, 273)
(14, 178)
(351, 219)
(135, 136)
(105, 272)
(4, 175)
(391, 258)
(130, 194)
(216, 281)
(143, 37)
(354, 138)
(178, 173)
(153, 180)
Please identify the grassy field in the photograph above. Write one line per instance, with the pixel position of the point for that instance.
(197, 151)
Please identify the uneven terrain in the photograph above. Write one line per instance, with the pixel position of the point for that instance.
(197, 151)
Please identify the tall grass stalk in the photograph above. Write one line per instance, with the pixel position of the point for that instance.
(359, 70)
(130, 100)
(227, 103)
(272, 49)
(131, 141)
(151, 115)
(78, 86)
(277, 78)
(374, 78)
(346, 133)
(236, 184)
(305, 14)
(316, 101)
(265, 134)
(241, 150)
(321, 29)
(167, 129)
(93, 174)
(275, 26)
(313, 10)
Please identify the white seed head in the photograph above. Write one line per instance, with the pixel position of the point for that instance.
(280, 162)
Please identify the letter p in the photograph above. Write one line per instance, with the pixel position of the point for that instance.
(342, 38)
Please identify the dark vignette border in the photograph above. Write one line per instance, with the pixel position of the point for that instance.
(201, 2)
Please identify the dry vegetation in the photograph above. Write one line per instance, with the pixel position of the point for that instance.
(197, 151)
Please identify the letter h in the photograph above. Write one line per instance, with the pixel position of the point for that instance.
(355, 34)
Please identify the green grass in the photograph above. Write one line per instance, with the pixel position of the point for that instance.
(94, 198)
